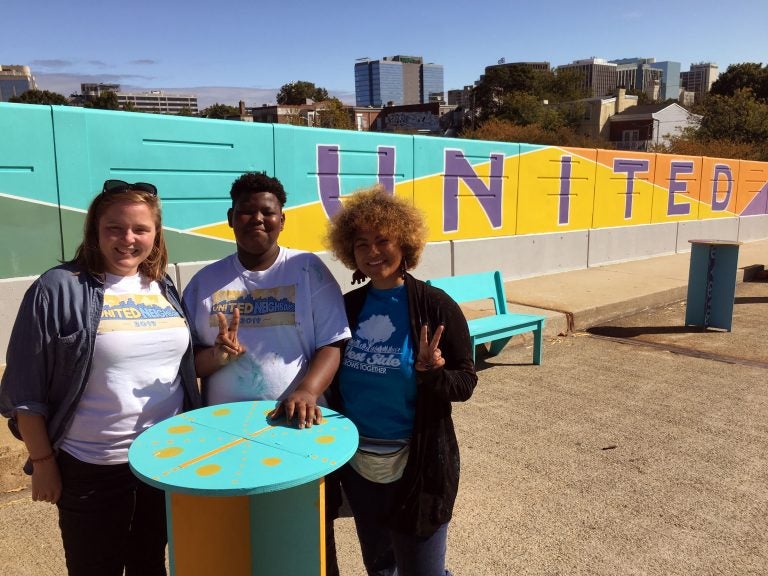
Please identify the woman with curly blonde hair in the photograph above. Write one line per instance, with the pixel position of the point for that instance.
(409, 357)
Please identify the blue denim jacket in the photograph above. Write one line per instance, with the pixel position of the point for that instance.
(51, 347)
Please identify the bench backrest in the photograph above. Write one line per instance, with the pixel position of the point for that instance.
(478, 286)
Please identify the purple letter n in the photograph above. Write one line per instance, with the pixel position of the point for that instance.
(457, 166)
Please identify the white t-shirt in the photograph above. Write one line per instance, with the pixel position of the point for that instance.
(134, 380)
(287, 312)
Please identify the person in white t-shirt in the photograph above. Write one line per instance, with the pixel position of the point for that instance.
(101, 351)
(267, 322)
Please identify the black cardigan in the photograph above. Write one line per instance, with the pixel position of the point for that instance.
(430, 482)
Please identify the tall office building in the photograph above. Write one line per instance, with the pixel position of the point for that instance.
(14, 81)
(598, 75)
(639, 75)
(670, 79)
(398, 80)
(699, 79)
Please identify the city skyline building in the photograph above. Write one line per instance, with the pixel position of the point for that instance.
(638, 75)
(15, 80)
(699, 79)
(397, 81)
(156, 101)
(670, 79)
(598, 75)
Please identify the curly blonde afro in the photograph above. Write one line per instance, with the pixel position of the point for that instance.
(375, 209)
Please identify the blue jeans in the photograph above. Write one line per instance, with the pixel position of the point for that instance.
(110, 520)
(387, 552)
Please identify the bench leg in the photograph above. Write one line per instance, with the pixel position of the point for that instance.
(497, 346)
(538, 341)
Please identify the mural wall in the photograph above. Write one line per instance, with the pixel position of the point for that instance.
(53, 160)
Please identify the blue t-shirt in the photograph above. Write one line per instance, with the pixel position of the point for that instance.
(376, 380)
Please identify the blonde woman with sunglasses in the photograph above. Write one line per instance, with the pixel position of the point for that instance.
(99, 352)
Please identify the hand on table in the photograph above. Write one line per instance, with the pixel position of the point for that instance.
(301, 406)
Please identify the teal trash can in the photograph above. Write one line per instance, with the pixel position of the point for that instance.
(712, 283)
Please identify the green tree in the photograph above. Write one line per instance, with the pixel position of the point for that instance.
(40, 97)
(298, 92)
(738, 118)
(107, 100)
(748, 75)
(563, 86)
(187, 112)
(334, 115)
(517, 92)
(220, 111)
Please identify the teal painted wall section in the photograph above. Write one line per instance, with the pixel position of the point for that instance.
(30, 233)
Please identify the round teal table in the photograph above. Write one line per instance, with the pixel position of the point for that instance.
(244, 494)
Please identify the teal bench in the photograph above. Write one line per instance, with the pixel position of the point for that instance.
(500, 327)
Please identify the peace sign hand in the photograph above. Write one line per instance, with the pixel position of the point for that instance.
(429, 356)
(227, 346)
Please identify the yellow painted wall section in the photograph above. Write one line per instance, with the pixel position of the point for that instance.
(624, 188)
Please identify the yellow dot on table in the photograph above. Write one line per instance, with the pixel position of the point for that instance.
(325, 439)
(271, 461)
(208, 470)
(180, 429)
(221, 412)
(169, 452)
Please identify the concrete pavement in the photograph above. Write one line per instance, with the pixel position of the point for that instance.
(637, 447)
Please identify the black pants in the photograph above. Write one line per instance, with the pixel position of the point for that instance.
(110, 521)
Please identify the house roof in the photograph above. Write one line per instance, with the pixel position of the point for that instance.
(645, 109)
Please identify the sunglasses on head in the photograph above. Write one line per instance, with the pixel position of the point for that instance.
(115, 186)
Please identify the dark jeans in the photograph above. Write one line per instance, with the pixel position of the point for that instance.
(110, 520)
(385, 551)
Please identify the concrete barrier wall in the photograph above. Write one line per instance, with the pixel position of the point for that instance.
(517, 257)
(611, 245)
(521, 208)
(752, 228)
(54, 159)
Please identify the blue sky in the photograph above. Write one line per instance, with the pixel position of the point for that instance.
(227, 52)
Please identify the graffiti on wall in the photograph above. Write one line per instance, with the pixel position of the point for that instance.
(467, 189)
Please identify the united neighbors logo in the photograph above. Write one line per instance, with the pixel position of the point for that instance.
(137, 312)
(258, 308)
